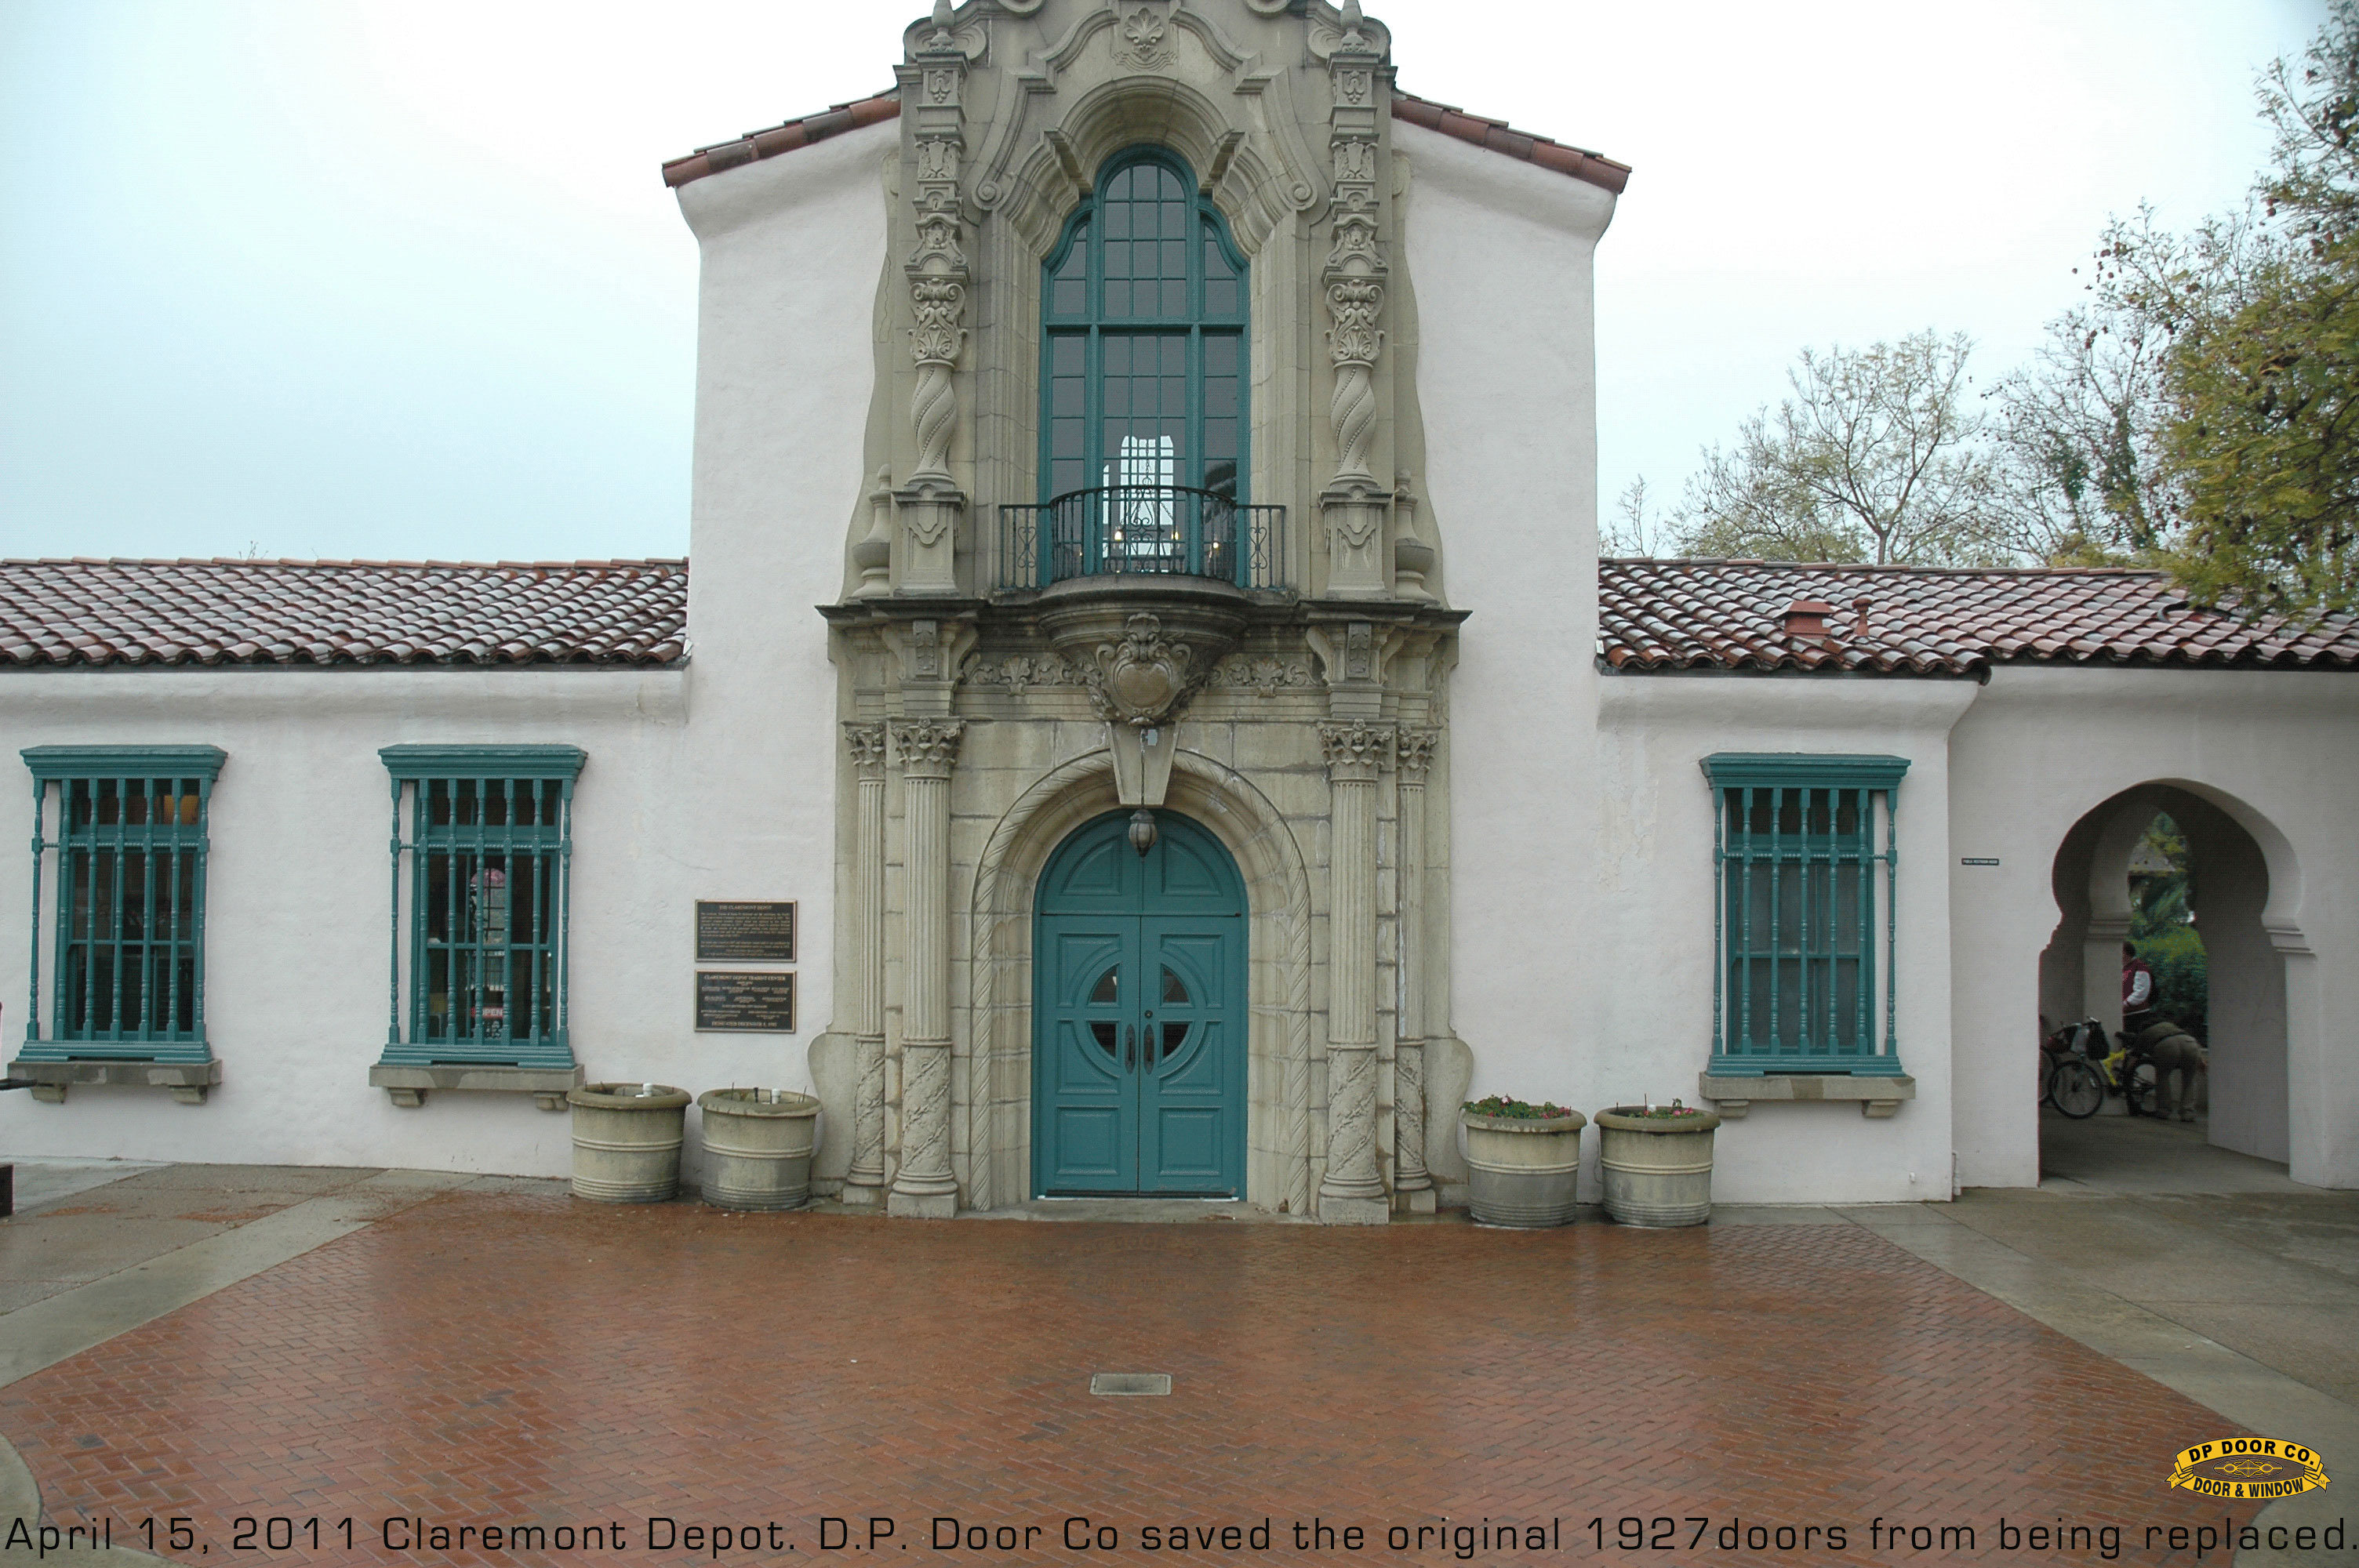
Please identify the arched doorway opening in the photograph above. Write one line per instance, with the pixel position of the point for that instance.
(2176, 875)
(1139, 1013)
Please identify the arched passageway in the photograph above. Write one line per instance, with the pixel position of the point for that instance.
(2097, 876)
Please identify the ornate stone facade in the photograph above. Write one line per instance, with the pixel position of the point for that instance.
(1271, 705)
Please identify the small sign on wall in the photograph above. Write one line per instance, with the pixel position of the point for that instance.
(731, 1000)
(745, 933)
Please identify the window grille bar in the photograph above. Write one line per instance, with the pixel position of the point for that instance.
(1718, 913)
(1745, 1034)
(1891, 921)
(40, 809)
(1777, 919)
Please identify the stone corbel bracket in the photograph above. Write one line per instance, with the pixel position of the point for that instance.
(1879, 1098)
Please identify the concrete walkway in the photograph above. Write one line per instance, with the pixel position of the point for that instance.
(2209, 1272)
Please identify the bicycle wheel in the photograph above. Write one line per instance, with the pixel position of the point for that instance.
(2143, 1092)
(2077, 1089)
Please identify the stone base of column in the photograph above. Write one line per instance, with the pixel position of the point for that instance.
(1354, 1211)
(1421, 1201)
(922, 1205)
(860, 1195)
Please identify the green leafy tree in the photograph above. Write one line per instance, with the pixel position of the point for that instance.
(2078, 430)
(2260, 442)
(1877, 456)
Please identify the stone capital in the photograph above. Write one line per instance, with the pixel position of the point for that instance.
(865, 742)
(1356, 751)
(928, 747)
(1414, 752)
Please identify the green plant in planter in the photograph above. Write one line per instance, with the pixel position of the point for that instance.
(1523, 1160)
(1500, 1105)
(1671, 1112)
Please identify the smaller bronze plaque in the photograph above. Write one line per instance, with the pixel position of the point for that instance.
(728, 1000)
(745, 933)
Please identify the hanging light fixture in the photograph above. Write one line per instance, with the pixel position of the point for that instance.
(1142, 830)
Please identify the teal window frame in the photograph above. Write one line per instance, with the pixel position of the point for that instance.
(1794, 848)
(1093, 323)
(162, 942)
(489, 832)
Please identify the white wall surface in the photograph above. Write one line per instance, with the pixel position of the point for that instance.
(1500, 253)
(1649, 891)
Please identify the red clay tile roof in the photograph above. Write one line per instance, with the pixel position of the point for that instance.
(786, 138)
(1656, 616)
(86, 612)
(1495, 135)
(1500, 137)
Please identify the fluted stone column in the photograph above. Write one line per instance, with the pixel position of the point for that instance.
(1352, 1192)
(865, 1181)
(1413, 1184)
(924, 1188)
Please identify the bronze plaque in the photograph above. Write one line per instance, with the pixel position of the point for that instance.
(727, 999)
(745, 933)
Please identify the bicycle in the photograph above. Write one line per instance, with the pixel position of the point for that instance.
(2068, 1080)
(2080, 1071)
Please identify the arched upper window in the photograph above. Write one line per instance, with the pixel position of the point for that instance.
(1143, 369)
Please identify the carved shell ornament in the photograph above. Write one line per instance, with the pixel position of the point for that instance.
(1144, 44)
(1143, 677)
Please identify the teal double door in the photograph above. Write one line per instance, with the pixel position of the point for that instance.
(1139, 1012)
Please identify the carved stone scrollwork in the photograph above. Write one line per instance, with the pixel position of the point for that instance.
(1145, 678)
(1355, 505)
(932, 90)
(1143, 33)
(1265, 675)
(1413, 750)
(1020, 672)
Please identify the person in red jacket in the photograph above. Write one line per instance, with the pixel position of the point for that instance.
(2138, 991)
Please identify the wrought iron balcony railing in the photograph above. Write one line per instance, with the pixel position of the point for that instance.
(1162, 528)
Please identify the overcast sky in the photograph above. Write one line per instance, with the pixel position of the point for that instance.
(400, 278)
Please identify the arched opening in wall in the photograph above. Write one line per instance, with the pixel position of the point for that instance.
(2162, 976)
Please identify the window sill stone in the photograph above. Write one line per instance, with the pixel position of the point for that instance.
(546, 1085)
(1878, 1097)
(189, 1081)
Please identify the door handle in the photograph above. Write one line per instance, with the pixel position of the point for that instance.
(1130, 1048)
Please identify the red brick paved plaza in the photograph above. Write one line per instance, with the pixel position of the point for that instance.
(490, 1359)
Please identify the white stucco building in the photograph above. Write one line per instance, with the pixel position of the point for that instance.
(1147, 620)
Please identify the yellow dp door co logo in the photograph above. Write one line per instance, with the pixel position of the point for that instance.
(2240, 1468)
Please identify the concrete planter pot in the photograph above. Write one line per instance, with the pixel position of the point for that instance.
(758, 1147)
(1658, 1169)
(1522, 1170)
(626, 1140)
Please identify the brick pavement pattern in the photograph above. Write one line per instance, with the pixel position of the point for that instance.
(520, 1359)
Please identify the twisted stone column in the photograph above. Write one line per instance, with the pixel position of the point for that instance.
(865, 1181)
(1352, 1192)
(925, 1188)
(1412, 1180)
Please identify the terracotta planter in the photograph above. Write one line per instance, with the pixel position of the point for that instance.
(758, 1147)
(626, 1140)
(1522, 1171)
(1658, 1169)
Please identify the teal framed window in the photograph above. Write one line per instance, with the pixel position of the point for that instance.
(1144, 376)
(127, 874)
(1806, 853)
(483, 845)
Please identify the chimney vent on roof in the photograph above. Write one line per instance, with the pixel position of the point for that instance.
(1807, 617)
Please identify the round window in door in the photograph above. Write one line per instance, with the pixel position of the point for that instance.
(1138, 1009)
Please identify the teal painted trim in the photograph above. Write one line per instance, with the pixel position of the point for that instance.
(1803, 770)
(1751, 1066)
(486, 1053)
(175, 1053)
(125, 761)
(484, 761)
(142, 945)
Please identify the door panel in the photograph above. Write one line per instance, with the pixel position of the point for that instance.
(1139, 999)
(1092, 1101)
